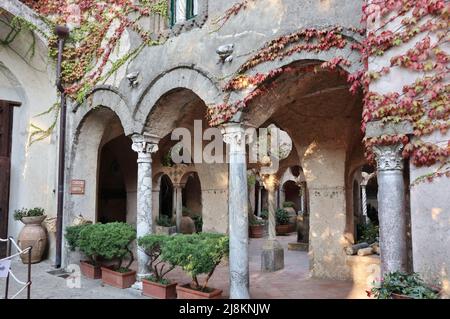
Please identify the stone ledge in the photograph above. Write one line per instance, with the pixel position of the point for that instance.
(298, 246)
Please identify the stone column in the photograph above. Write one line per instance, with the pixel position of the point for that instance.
(391, 208)
(259, 200)
(364, 203)
(178, 195)
(234, 136)
(144, 145)
(272, 258)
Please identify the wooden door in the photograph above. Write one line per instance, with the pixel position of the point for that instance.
(6, 117)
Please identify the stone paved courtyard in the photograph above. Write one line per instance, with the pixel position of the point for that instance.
(292, 282)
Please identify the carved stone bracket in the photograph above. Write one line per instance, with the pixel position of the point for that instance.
(145, 145)
(389, 157)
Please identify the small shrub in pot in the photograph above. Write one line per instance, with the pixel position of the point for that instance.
(157, 285)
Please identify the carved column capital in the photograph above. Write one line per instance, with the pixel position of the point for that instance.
(234, 134)
(145, 145)
(389, 157)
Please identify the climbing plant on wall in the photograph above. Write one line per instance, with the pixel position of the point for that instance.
(97, 28)
(421, 26)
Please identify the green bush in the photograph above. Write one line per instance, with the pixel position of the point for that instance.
(368, 233)
(153, 246)
(196, 254)
(164, 221)
(110, 241)
(256, 222)
(264, 214)
(288, 204)
(282, 216)
(73, 236)
(25, 212)
(410, 285)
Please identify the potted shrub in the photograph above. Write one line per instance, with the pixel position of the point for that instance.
(256, 228)
(398, 285)
(164, 225)
(264, 214)
(196, 254)
(32, 234)
(282, 220)
(111, 242)
(156, 285)
(90, 267)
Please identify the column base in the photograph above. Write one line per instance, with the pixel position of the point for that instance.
(138, 284)
(272, 258)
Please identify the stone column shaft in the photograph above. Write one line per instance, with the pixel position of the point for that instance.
(364, 203)
(272, 258)
(272, 211)
(178, 193)
(391, 208)
(144, 145)
(259, 200)
(234, 136)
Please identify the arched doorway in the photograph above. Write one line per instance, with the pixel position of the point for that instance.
(166, 205)
(112, 193)
(292, 194)
(104, 160)
(323, 119)
(192, 200)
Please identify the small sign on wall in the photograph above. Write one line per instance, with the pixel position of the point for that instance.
(77, 187)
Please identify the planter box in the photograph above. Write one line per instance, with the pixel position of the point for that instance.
(90, 271)
(256, 231)
(117, 279)
(159, 291)
(283, 229)
(162, 230)
(185, 292)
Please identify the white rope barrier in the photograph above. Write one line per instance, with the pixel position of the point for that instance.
(17, 254)
(10, 272)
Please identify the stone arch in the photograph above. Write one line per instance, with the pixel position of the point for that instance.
(18, 9)
(182, 77)
(98, 126)
(107, 97)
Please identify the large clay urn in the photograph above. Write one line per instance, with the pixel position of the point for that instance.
(33, 234)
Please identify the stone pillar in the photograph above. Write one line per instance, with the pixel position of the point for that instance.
(178, 202)
(391, 208)
(234, 136)
(364, 203)
(144, 145)
(272, 258)
(259, 200)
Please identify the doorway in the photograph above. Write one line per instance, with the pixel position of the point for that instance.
(6, 121)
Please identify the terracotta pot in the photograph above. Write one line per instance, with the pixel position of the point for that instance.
(185, 292)
(33, 234)
(90, 271)
(118, 279)
(256, 231)
(282, 229)
(159, 291)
